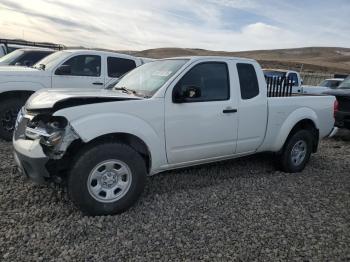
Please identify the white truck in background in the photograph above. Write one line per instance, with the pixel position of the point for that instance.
(76, 69)
(297, 82)
(167, 114)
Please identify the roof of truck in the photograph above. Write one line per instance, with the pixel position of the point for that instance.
(37, 49)
(334, 79)
(195, 58)
(279, 70)
(96, 52)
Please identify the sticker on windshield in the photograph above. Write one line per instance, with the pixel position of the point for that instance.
(161, 73)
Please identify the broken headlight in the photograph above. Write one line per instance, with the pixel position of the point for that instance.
(50, 130)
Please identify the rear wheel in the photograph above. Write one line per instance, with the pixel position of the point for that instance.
(296, 152)
(9, 109)
(107, 179)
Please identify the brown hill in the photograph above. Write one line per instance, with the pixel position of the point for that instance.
(320, 59)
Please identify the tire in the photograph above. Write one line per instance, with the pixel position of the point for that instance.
(9, 109)
(89, 178)
(296, 152)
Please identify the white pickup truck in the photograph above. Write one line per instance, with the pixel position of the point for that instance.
(163, 115)
(68, 69)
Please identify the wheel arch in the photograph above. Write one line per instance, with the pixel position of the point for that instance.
(22, 94)
(305, 124)
(126, 138)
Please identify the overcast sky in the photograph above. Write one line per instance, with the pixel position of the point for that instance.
(230, 25)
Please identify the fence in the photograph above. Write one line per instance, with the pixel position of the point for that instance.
(314, 79)
(279, 86)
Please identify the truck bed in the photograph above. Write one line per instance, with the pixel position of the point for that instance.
(283, 109)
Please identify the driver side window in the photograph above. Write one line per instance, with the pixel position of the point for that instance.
(210, 79)
(82, 65)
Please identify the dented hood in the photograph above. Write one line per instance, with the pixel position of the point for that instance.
(62, 98)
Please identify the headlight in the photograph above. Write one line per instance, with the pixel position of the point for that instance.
(50, 130)
(53, 140)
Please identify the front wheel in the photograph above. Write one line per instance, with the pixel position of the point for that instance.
(107, 179)
(9, 109)
(296, 152)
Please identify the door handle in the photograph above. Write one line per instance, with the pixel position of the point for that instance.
(229, 111)
(97, 83)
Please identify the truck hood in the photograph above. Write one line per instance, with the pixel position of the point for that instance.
(18, 70)
(56, 99)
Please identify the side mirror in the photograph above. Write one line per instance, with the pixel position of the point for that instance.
(183, 94)
(63, 70)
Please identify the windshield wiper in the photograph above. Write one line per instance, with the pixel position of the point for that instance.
(39, 67)
(127, 90)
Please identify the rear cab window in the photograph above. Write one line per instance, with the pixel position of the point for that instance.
(117, 66)
(248, 81)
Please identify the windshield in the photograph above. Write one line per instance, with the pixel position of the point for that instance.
(330, 83)
(271, 73)
(47, 61)
(148, 78)
(345, 84)
(7, 59)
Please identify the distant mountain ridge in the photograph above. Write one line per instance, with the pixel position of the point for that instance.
(328, 59)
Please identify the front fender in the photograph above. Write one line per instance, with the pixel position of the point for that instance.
(287, 126)
(93, 126)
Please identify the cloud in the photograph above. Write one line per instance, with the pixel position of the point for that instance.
(211, 24)
(15, 7)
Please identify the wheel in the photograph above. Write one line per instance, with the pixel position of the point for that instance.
(9, 109)
(296, 152)
(106, 179)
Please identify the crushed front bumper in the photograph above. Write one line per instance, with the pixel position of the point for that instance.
(31, 160)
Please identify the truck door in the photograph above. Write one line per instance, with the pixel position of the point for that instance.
(80, 71)
(252, 108)
(204, 125)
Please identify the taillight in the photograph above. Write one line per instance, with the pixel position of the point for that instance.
(336, 107)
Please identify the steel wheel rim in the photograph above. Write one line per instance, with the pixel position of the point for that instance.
(299, 151)
(109, 181)
(8, 119)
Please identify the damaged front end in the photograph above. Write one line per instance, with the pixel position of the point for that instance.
(54, 133)
(41, 141)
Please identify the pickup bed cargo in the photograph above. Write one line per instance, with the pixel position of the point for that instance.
(163, 115)
(63, 69)
(297, 82)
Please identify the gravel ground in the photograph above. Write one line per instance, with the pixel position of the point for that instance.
(235, 210)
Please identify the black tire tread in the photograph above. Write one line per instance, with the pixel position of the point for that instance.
(5, 104)
(283, 160)
(88, 155)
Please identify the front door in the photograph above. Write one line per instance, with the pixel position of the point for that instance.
(204, 127)
(80, 71)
